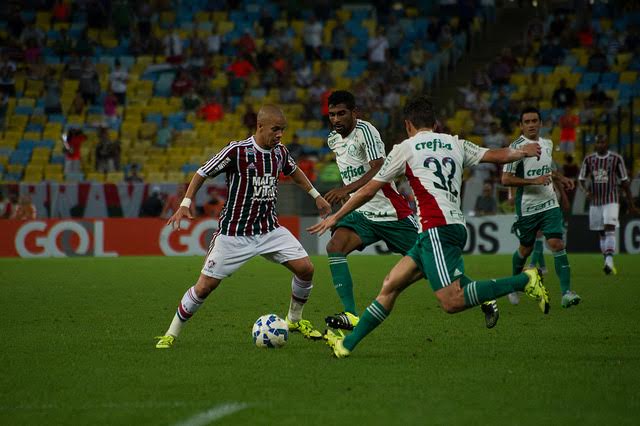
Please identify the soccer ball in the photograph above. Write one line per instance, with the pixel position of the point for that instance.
(270, 331)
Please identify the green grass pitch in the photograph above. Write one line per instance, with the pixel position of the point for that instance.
(78, 348)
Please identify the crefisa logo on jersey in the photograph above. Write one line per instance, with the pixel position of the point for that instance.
(544, 170)
(433, 145)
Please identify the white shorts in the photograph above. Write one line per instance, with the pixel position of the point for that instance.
(227, 254)
(599, 216)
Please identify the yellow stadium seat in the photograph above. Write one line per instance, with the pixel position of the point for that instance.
(154, 177)
(54, 177)
(95, 177)
(224, 27)
(177, 177)
(628, 77)
(114, 177)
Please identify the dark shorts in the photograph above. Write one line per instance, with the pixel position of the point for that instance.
(400, 235)
(550, 222)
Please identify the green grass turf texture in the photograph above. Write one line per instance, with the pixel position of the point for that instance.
(78, 348)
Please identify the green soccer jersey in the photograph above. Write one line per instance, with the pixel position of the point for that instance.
(533, 199)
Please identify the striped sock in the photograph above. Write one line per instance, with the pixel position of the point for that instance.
(477, 292)
(300, 290)
(370, 319)
(563, 270)
(342, 281)
(188, 306)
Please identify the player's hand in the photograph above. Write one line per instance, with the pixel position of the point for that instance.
(543, 180)
(532, 150)
(323, 206)
(321, 227)
(175, 219)
(567, 184)
(336, 195)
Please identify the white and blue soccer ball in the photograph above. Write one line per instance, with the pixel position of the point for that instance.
(270, 331)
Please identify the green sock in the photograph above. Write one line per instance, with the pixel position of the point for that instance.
(537, 258)
(477, 292)
(517, 263)
(563, 270)
(342, 281)
(370, 319)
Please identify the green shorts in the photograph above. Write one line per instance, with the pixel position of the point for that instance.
(400, 235)
(438, 253)
(550, 222)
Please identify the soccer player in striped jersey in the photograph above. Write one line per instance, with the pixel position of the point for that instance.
(248, 223)
(606, 171)
(433, 163)
(536, 203)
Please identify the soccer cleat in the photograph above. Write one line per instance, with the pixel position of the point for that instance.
(335, 341)
(165, 342)
(514, 298)
(569, 299)
(343, 320)
(610, 270)
(491, 313)
(305, 328)
(543, 271)
(537, 291)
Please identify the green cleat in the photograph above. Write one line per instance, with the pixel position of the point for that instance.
(491, 313)
(165, 342)
(334, 341)
(569, 299)
(305, 328)
(536, 290)
(343, 320)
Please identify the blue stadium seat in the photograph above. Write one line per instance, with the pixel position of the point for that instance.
(189, 168)
(57, 159)
(26, 145)
(23, 110)
(20, 157)
(154, 117)
(590, 78)
(45, 143)
(57, 118)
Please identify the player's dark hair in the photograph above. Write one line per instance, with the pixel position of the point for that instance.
(342, 97)
(419, 111)
(528, 110)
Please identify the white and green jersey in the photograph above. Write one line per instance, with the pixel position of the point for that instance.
(353, 154)
(433, 163)
(533, 199)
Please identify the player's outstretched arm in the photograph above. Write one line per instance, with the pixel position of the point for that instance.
(185, 205)
(509, 155)
(298, 176)
(361, 196)
(509, 179)
(342, 194)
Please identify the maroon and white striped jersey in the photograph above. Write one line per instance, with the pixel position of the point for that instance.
(606, 173)
(252, 179)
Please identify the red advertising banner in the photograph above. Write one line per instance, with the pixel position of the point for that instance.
(111, 237)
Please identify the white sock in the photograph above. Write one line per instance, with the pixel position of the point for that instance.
(602, 240)
(188, 306)
(609, 243)
(300, 291)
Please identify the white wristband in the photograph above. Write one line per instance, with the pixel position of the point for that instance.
(186, 202)
(314, 193)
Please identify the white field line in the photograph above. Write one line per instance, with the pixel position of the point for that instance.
(214, 413)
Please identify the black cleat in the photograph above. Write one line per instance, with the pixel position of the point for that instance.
(343, 320)
(491, 313)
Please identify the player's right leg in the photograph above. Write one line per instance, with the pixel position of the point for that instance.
(537, 258)
(610, 218)
(525, 228)
(403, 274)
(217, 266)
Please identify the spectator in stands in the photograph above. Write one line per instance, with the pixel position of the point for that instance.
(552, 54)
(165, 134)
(304, 75)
(378, 48)
(5, 206)
(121, 15)
(173, 49)
(211, 111)
(250, 118)
(266, 23)
(597, 62)
(395, 35)
(25, 210)
(182, 84)
(312, 37)
(417, 58)
(486, 203)
(246, 45)
(445, 38)
(33, 52)
(111, 108)
(63, 46)
(107, 152)
(568, 122)
(564, 96)
(133, 176)
(480, 79)
(77, 105)
(281, 40)
(73, 141)
(4, 106)
(324, 75)
(32, 34)
(118, 79)
(533, 89)
(585, 36)
(52, 94)
(191, 101)
(288, 93)
(144, 14)
(213, 206)
(7, 81)
(307, 165)
(242, 67)
(482, 119)
(214, 42)
(89, 84)
(338, 41)
(496, 137)
(83, 47)
(597, 98)
(570, 169)
(500, 72)
(152, 206)
(296, 149)
(61, 11)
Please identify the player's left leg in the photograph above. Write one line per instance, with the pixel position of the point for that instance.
(280, 246)
(552, 226)
(537, 258)
(610, 219)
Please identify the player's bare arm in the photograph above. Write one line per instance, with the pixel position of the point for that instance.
(361, 197)
(509, 155)
(337, 195)
(185, 206)
(324, 208)
(509, 179)
(582, 183)
(633, 209)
